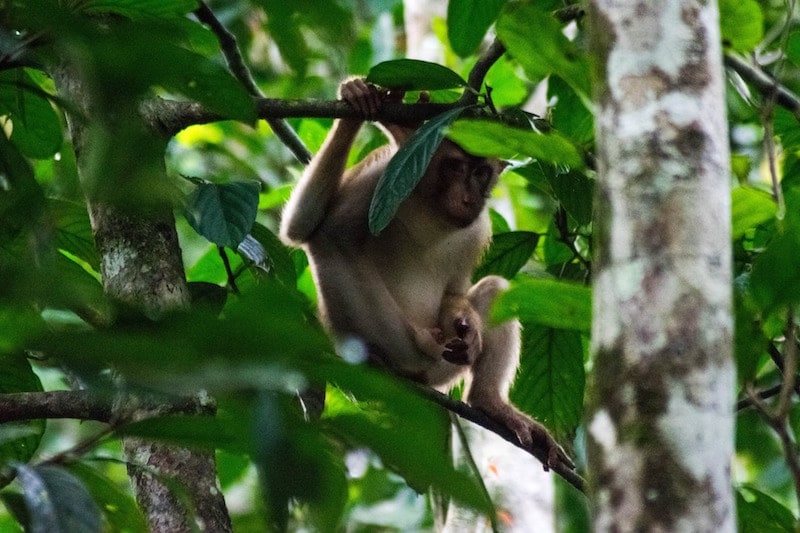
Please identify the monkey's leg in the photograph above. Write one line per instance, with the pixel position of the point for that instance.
(493, 373)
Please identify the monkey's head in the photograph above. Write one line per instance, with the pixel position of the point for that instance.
(458, 183)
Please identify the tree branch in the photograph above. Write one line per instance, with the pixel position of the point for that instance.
(479, 417)
(766, 85)
(479, 71)
(88, 405)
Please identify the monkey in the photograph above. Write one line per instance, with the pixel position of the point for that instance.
(407, 292)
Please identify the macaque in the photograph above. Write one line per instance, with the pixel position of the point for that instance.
(407, 292)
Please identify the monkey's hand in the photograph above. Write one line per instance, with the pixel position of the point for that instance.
(461, 327)
(428, 341)
(366, 98)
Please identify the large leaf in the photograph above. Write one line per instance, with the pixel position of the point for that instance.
(36, 129)
(507, 254)
(141, 9)
(546, 302)
(223, 213)
(575, 192)
(750, 207)
(406, 169)
(741, 24)
(467, 22)
(550, 381)
(489, 138)
(414, 75)
(535, 38)
(57, 502)
(74, 230)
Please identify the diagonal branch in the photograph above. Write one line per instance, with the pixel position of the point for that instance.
(766, 85)
(480, 418)
(237, 66)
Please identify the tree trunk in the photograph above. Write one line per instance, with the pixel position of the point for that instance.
(660, 430)
(141, 266)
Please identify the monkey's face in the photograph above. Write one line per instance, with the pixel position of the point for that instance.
(459, 184)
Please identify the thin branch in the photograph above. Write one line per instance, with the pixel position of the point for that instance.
(479, 417)
(780, 425)
(764, 394)
(237, 66)
(766, 85)
(479, 71)
(777, 360)
(789, 370)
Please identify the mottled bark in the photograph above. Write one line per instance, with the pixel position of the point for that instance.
(661, 424)
(141, 266)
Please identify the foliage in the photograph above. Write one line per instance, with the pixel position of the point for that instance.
(254, 349)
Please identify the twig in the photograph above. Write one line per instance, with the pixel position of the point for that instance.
(482, 419)
(237, 66)
(766, 85)
(777, 360)
(228, 270)
(789, 370)
(479, 71)
(765, 394)
(780, 425)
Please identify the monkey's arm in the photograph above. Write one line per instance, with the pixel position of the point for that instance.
(312, 196)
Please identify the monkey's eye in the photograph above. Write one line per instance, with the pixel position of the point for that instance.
(482, 173)
(455, 168)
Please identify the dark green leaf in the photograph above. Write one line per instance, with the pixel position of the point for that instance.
(493, 139)
(507, 254)
(546, 302)
(750, 208)
(57, 501)
(535, 39)
(36, 129)
(467, 22)
(117, 505)
(406, 169)
(741, 24)
(223, 213)
(758, 512)
(550, 381)
(414, 75)
(575, 192)
(749, 340)
(569, 116)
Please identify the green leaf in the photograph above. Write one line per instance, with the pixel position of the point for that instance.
(467, 22)
(757, 511)
(57, 502)
(551, 378)
(575, 192)
(546, 302)
(406, 168)
(750, 207)
(488, 138)
(223, 213)
(117, 505)
(775, 279)
(569, 116)
(36, 129)
(535, 39)
(414, 75)
(74, 230)
(507, 253)
(741, 24)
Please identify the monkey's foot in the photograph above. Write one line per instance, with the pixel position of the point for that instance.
(533, 436)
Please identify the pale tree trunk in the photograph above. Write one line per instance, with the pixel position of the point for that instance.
(661, 424)
(141, 266)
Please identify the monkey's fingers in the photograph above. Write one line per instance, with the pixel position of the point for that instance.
(362, 96)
